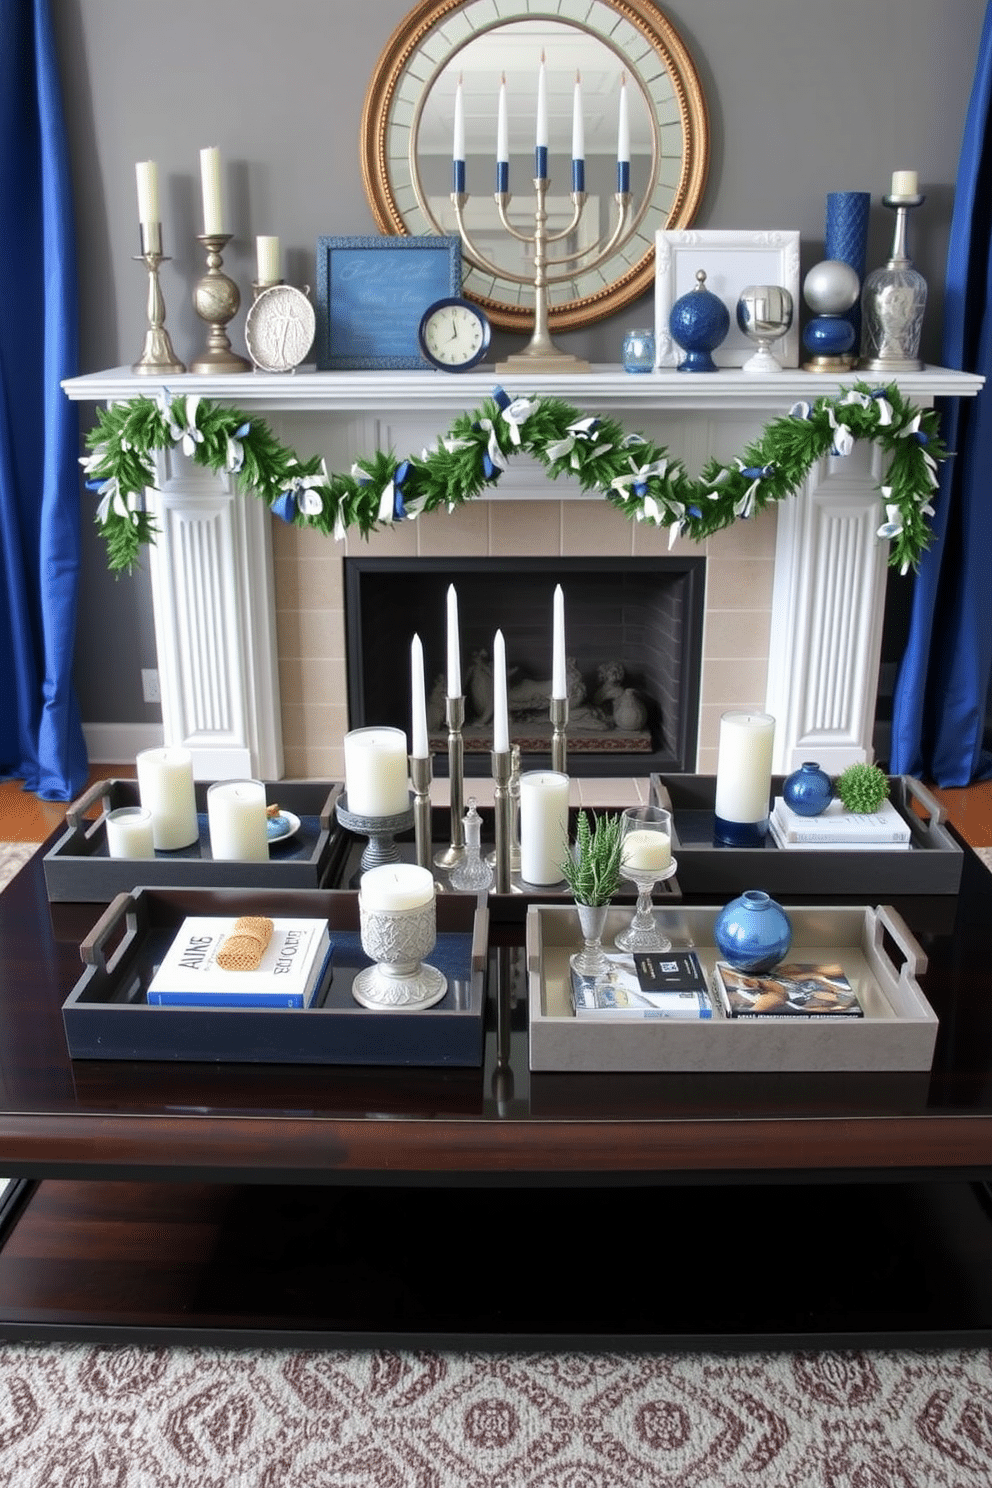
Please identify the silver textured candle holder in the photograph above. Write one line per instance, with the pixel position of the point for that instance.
(502, 761)
(893, 301)
(398, 940)
(449, 856)
(420, 775)
(216, 299)
(380, 830)
(157, 355)
(559, 741)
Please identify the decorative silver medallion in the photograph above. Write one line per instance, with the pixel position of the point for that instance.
(280, 328)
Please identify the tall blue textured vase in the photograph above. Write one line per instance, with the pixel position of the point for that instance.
(847, 239)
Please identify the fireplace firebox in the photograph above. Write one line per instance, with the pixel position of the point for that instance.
(633, 633)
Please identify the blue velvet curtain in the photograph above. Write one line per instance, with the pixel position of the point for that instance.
(41, 739)
(940, 698)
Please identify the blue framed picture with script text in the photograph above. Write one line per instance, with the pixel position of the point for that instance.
(371, 295)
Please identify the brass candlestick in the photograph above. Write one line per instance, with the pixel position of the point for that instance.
(420, 775)
(157, 355)
(216, 299)
(502, 769)
(559, 743)
(449, 856)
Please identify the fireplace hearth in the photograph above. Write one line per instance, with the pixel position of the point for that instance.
(633, 631)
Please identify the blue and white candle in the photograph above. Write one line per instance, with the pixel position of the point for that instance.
(578, 139)
(623, 140)
(744, 777)
(502, 141)
(458, 147)
(541, 133)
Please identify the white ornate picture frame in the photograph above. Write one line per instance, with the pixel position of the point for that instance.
(731, 260)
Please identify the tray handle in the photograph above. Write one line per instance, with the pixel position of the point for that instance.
(936, 813)
(75, 813)
(888, 920)
(93, 950)
(327, 816)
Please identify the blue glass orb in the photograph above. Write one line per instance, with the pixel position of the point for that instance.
(699, 321)
(828, 335)
(752, 932)
(808, 790)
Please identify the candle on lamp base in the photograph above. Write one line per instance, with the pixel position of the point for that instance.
(743, 778)
(543, 825)
(165, 786)
(237, 820)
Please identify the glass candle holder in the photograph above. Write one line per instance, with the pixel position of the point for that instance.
(129, 832)
(638, 350)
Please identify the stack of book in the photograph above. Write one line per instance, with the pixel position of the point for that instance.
(840, 829)
(291, 973)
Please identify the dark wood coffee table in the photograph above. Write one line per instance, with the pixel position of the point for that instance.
(329, 1206)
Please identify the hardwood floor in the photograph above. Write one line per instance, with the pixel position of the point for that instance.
(23, 818)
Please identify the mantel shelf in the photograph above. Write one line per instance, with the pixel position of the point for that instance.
(606, 387)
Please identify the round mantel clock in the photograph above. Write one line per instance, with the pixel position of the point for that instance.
(279, 328)
(454, 334)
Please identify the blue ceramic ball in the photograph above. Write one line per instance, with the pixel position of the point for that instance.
(808, 790)
(699, 321)
(828, 335)
(752, 932)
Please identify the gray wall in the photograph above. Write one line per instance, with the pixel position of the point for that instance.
(804, 96)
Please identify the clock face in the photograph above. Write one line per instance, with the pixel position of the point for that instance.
(454, 335)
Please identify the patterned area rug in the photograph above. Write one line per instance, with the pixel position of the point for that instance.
(172, 1418)
(13, 856)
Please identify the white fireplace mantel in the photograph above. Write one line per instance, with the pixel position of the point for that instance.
(211, 568)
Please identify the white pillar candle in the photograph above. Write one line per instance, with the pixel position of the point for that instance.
(165, 785)
(646, 851)
(237, 820)
(376, 772)
(501, 726)
(396, 886)
(146, 172)
(129, 833)
(541, 131)
(418, 700)
(558, 689)
(905, 183)
(213, 214)
(454, 646)
(744, 766)
(267, 254)
(543, 825)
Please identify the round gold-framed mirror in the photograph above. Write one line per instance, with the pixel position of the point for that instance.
(407, 140)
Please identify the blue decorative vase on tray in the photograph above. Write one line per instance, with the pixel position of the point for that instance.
(699, 322)
(808, 790)
(752, 932)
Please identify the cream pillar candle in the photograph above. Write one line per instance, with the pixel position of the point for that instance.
(165, 785)
(543, 825)
(646, 852)
(213, 213)
(129, 833)
(146, 172)
(267, 260)
(237, 821)
(396, 886)
(744, 769)
(376, 772)
(905, 183)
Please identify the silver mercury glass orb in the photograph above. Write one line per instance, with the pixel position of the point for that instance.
(831, 287)
(764, 313)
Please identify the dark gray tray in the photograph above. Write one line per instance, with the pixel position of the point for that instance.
(79, 867)
(931, 865)
(106, 1015)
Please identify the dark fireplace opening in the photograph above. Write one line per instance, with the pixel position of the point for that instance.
(633, 641)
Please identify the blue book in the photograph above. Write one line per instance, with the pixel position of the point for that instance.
(292, 969)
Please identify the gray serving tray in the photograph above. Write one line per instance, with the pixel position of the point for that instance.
(931, 865)
(79, 867)
(106, 1015)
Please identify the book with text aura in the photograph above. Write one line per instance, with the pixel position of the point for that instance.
(290, 972)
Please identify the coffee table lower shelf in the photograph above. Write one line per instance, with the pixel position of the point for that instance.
(777, 1266)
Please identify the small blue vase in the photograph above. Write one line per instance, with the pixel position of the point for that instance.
(808, 790)
(699, 321)
(752, 932)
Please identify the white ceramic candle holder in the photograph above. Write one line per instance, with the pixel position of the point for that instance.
(129, 833)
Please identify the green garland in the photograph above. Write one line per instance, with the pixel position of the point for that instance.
(635, 475)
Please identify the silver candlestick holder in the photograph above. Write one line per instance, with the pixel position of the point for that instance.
(381, 831)
(541, 354)
(420, 774)
(157, 355)
(216, 299)
(559, 741)
(514, 789)
(502, 761)
(893, 301)
(449, 856)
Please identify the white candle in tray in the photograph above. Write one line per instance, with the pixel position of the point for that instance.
(237, 820)
(396, 886)
(165, 785)
(376, 772)
(647, 852)
(744, 766)
(543, 825)
(129, 833)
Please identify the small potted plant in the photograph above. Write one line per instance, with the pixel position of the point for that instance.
(592, 872)
(862, 788)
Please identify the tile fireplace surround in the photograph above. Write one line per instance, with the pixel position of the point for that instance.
(249, 612)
